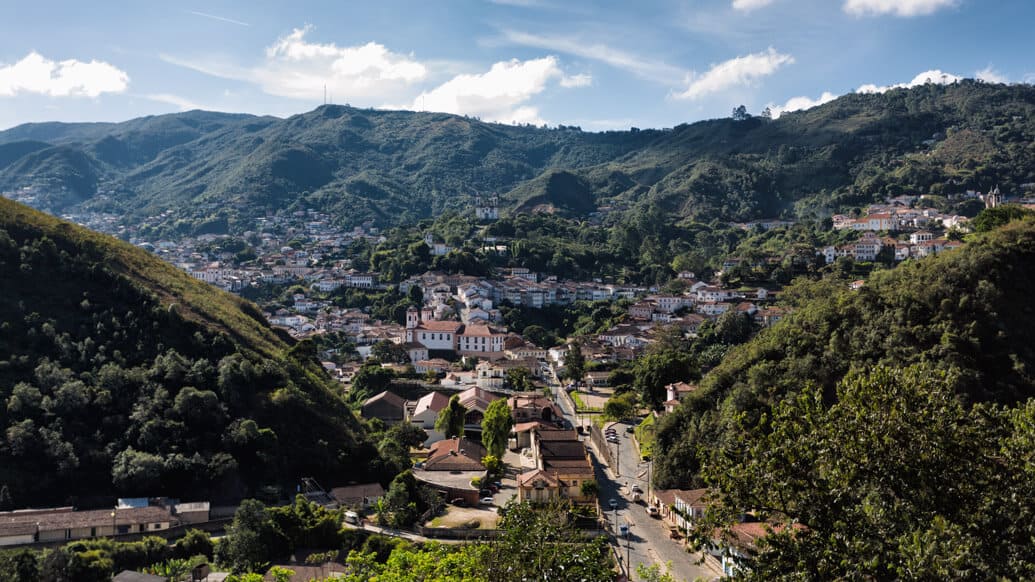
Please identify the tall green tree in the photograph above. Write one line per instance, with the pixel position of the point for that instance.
(574, 362)
(450, 420)
(654, 371)
(897, 479)
(252, 539)
(496, 425)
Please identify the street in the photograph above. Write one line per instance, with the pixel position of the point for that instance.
(648, 540)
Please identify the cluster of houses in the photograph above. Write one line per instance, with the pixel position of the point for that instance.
(921, 243)
(556, 460)
(129, 516)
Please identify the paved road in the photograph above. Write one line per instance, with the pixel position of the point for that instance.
(648, 542)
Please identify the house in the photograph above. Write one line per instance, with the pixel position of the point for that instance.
(358, 496)
(528, 406)
(597, 379)
(476, 401)
(387, 406)
(425, 413)
(64, 523)
(562, 467)
(641, 310)
(524, 432)
(451, 466)
(437, 365)
(481, 341)
(675, 393)
(490, 376)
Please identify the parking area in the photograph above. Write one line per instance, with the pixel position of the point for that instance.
(466, 517)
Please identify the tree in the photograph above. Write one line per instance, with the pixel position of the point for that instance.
(252, 539)
(897, 478)
(740, 113)
(518, 380)
(574, 362)
(494, 465)
(589, 488)
(539, 543)
(733, 327)
(620, 406)
(654, 371)
(496, 425)
(450, 420)
(390, 352)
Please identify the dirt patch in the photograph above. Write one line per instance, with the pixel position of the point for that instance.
(461, 516)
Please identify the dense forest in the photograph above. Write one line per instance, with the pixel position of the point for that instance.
(892, 423)
(121, 375)
(213, 171)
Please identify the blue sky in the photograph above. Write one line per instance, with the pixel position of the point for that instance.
(599, 65)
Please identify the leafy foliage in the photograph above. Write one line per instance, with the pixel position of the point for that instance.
(123, 375)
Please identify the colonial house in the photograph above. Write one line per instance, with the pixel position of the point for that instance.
(675, 393)
(387, 406)
(481, 341)
(562, 468)
(528, 406)
(362, 496)
(64, 523)
(476, 401)
(451, 466)
(425, 413)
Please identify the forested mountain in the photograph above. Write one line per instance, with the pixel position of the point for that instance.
(120, 374)
(894, 422)
(394, 167)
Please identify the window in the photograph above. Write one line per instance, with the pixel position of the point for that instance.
(142, 527)
(93, 532)
(68, 534)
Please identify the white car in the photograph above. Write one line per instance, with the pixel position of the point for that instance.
(487, 501)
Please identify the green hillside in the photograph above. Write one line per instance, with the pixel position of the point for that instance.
(395, 167)
(120, 374)
(966, 312)
(893, 422)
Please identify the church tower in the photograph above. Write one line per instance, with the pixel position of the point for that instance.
(412, 319)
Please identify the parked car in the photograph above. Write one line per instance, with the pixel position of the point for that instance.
(459, 502)
(623, 530)
(612, 439)
(653, 512)
(485, 492)
(487, 501)
(630, 429)
(613, 503)
(636, 489)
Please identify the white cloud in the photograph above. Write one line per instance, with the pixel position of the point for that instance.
(579, 80)
(903, 8)
(935, 76)
(300, 69)
(800, 103)
(737, 71)
(500, 94)
(296, 68)
(749, 5)
(637, 65)
(70, 78)
(182, 103)
(990, 75)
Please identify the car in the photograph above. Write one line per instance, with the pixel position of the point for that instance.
(611, 430)
(636, 489)
(630, 429)
(653, 512)
(613, 503)
(494, 489)
(612, 439)
(623, 530)
(485, 492)
(486, 501)
(459, 502)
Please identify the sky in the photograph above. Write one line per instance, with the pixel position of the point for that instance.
(596, 64)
